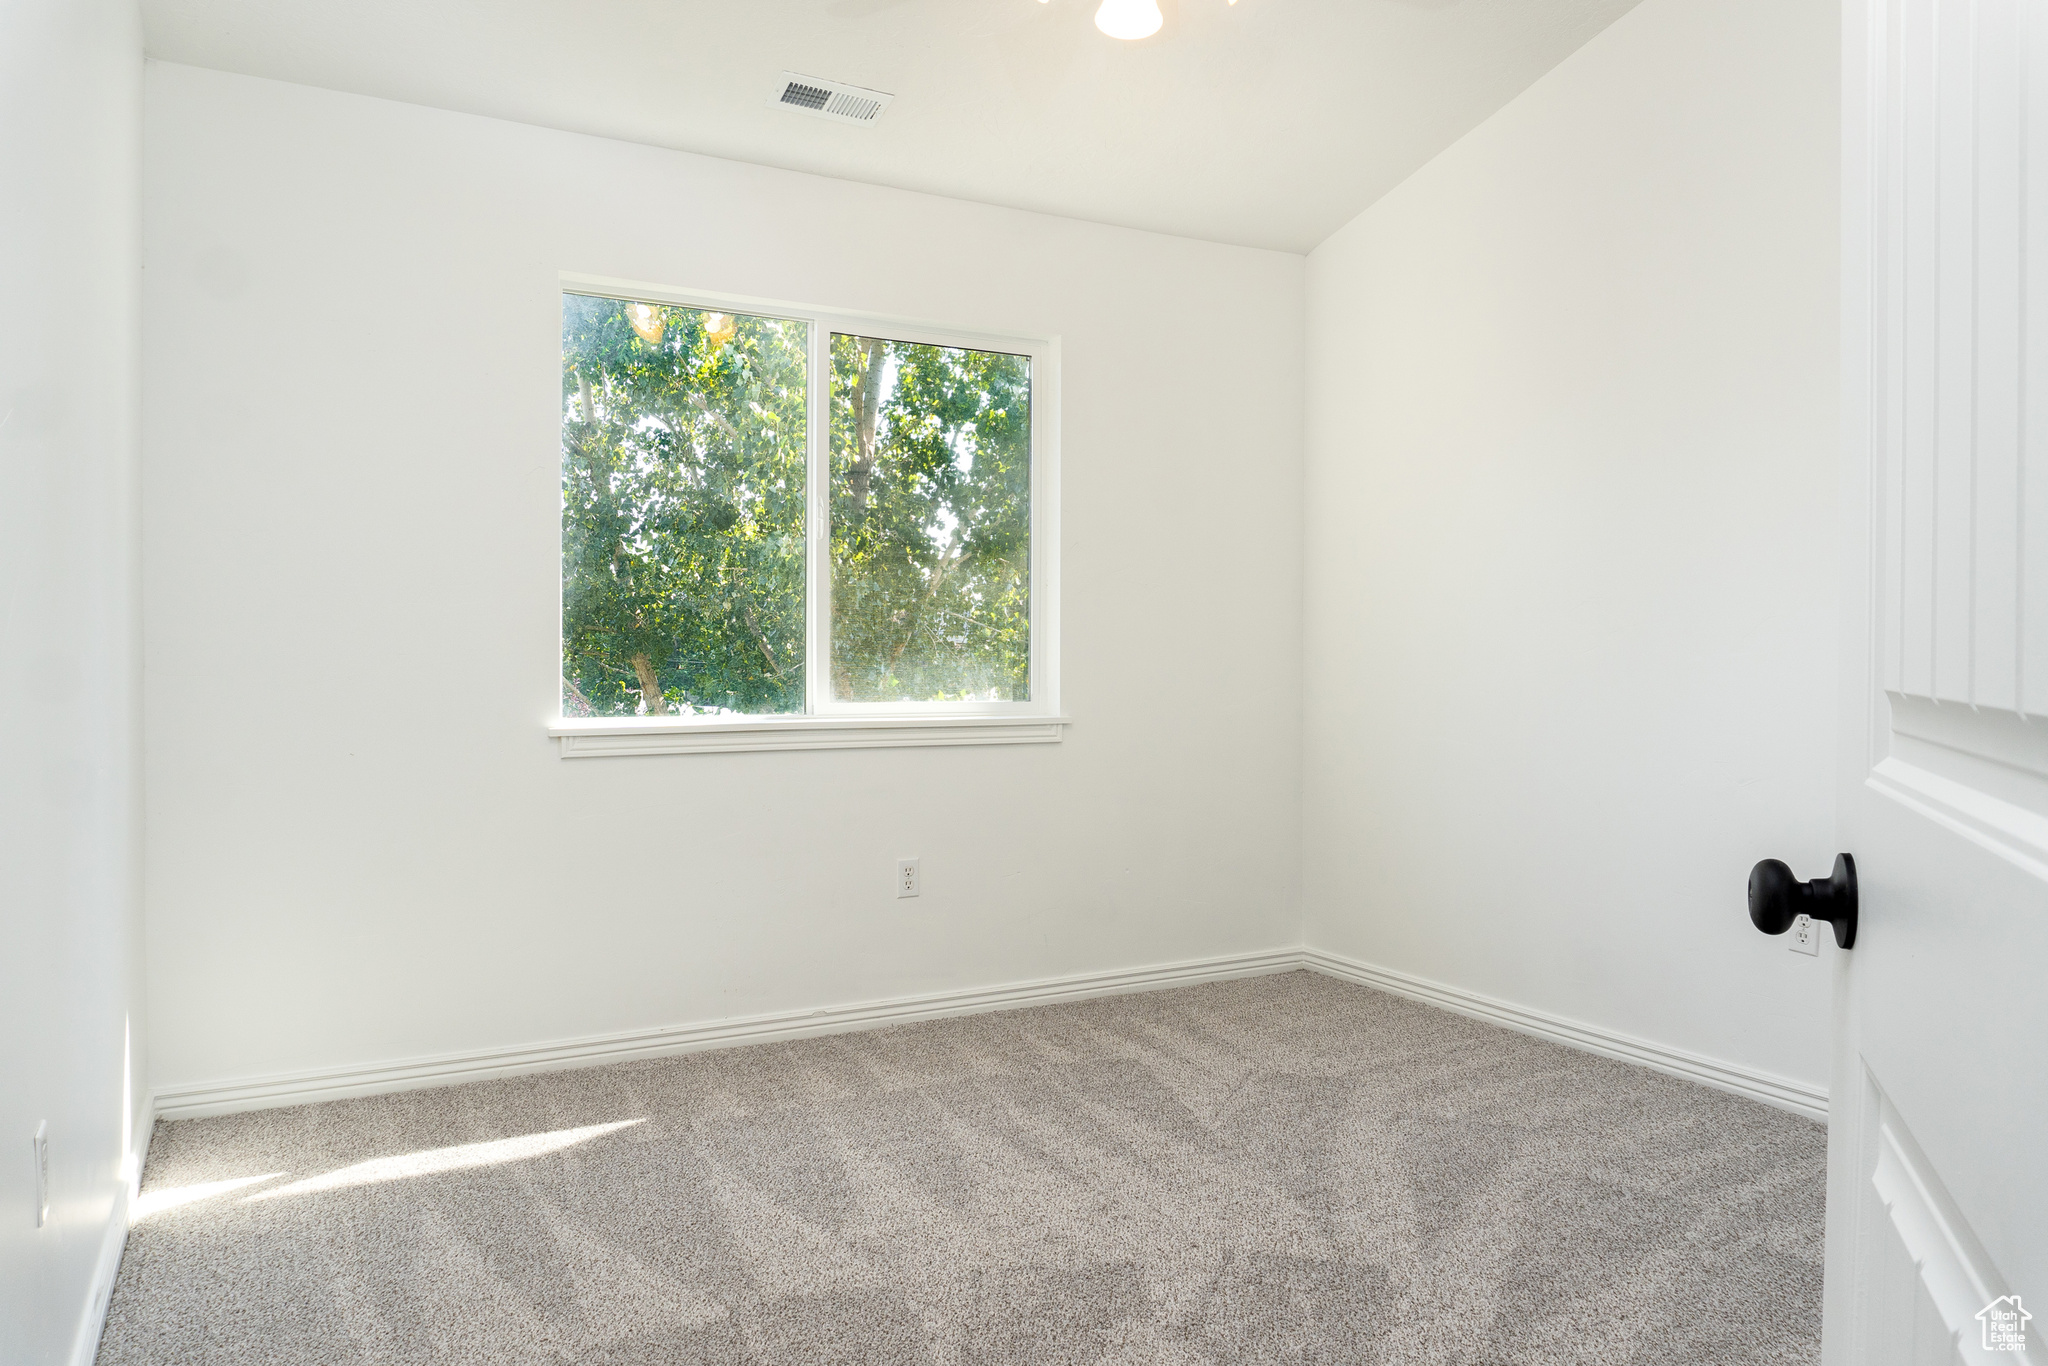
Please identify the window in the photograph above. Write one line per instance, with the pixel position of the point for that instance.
(931, 523)
(786, 529)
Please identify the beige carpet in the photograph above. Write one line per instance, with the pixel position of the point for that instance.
(1281, 1169)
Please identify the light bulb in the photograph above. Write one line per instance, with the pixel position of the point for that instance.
(1129, 18)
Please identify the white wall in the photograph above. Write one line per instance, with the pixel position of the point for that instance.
(363, 847)
(1571, 529)
(70, 908)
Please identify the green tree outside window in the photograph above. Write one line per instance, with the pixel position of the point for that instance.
(684, 457)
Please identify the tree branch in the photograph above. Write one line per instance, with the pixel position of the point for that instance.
(651, 702)
(582, 703)
(753, 625)
(867, 411)
(941, 571)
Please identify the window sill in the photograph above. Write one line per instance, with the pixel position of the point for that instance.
(598, 739)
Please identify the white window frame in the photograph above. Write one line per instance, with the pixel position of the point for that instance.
(827, 723)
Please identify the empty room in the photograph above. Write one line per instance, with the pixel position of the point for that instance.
(966, 682)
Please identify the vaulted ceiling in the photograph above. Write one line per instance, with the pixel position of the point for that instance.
(1265, 122)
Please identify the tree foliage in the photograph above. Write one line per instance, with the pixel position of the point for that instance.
(682, 510)
(683, 517)
(931, 522)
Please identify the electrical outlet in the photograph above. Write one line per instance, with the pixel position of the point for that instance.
(907, 879)
(42, 1173)
(1804, 940)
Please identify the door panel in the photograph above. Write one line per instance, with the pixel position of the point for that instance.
(1924, 1276)
(1938, 1187)
(1950, 152)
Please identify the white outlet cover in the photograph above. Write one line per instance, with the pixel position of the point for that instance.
(909, 879)
(1803, 936)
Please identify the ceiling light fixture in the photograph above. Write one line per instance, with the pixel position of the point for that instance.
(1129, 19)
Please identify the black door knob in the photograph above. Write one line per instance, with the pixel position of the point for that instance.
(1776, 898)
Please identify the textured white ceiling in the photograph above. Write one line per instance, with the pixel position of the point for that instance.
(1268, 123)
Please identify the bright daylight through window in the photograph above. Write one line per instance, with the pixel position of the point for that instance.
(742, 541)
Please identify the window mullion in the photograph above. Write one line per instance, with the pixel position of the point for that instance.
(818, 522)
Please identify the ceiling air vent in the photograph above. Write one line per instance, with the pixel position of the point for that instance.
(833, 100)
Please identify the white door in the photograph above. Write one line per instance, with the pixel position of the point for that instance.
(1938, 1143)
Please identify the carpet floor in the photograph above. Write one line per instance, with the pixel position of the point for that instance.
(1278, 1169)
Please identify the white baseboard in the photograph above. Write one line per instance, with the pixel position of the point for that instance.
(191, 1100)
(1785, 1094)
(113, 1242)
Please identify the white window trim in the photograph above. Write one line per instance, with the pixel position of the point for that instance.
(830, 724)
(600, 737)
